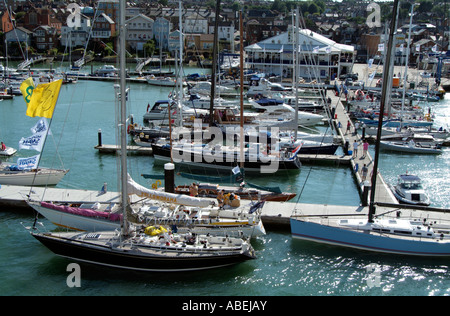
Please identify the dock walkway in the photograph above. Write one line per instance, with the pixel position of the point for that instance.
(382, 192)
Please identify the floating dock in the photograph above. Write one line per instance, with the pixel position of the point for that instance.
(112, 149)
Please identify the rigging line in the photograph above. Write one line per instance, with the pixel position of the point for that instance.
(14, 28)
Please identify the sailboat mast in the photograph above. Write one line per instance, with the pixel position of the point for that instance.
(241, 59)
(384, 93)
(296, 70)
(214, 64)
(123, 115)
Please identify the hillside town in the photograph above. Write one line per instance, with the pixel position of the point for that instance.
(337, 29)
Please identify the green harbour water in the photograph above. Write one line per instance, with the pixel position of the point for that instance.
(284, 267)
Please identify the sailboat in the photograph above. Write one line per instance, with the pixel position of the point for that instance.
(377, 233)
(140, 249)
(27, 171)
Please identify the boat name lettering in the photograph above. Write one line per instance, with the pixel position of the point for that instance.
(158, 197)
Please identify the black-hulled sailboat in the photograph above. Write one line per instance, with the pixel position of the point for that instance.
(141, 249)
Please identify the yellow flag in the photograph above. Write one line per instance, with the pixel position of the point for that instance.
(27, 88)
(43, 99)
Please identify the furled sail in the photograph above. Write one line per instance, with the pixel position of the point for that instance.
(139, 190)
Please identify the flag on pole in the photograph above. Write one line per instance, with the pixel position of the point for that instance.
(41, 127)
(236, 170)
(41, 99)
(27, 88)
(28, 163)
(35, 142)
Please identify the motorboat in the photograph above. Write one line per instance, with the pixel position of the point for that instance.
(263, 87)
(163, 81)
(409, 190)
(106, 71)
(8, 151)
(159, 111)
(410, 146)
(275, 108)
(204, 88)
(197, 101)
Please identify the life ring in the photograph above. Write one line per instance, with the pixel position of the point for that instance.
(154, 231)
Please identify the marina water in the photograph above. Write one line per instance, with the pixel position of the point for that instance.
(284, 267)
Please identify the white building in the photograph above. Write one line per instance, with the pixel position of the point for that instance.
(139, 31)
(76, 36)
(319, 57)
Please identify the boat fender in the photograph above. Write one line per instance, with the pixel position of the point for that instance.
(130, 128)
(153, 231)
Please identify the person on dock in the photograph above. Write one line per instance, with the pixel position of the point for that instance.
(355, 149)
(348, 127)
(364, 172)
(365, 148)
(193, 190)
(220, 197)
(3, 148)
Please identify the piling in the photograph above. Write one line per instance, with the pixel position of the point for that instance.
(169, 177)
(99, 137)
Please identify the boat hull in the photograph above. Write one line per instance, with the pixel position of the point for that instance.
(125, 258)
(401, 147)
(370, 242)
(228, 162)
(92, 223)
(29, 178)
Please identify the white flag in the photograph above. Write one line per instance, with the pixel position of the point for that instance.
(41, 126)
(316, 49)
(370, 63)
(328, 49)
(28, 163)
(434, 48)
(401, 48)
(381, 47)
(236, 170)
(417, 48)
(35, 142)
(281, 49)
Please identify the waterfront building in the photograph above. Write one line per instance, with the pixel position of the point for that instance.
(161, 30)
(320, 58)
(139, 31)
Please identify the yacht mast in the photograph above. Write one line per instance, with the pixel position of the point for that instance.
(384, 93)
(122, 118)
